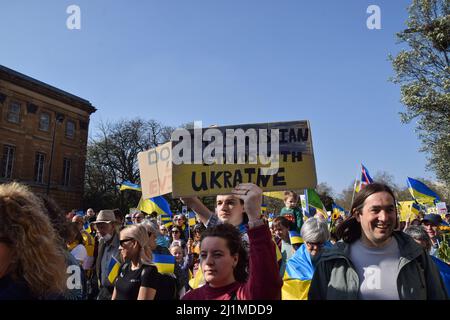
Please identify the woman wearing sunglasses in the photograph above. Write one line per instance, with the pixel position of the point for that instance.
(138, 277)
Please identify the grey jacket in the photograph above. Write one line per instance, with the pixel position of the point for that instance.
(113, 245)
(418, 277)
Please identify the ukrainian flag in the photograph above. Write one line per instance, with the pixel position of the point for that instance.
(165, 263)
(166, 220)
(127, 185)
(191, 217)
(295, 237)
(298, 275)
(114, 267)
(415, 208)
(263, 208)
(156, 204)
(420, 192)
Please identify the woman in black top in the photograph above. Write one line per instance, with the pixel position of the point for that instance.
(138, 278)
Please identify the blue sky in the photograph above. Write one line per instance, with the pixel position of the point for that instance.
(230, 62)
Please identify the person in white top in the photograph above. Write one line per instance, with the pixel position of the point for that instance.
(75, 245)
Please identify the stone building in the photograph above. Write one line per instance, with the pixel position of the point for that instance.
(37, 119)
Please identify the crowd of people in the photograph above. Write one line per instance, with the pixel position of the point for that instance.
(232, 253)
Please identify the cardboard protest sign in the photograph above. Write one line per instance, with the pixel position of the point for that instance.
(274, 156)
(441, 208)
(155, 167)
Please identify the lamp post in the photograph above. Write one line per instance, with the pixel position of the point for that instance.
(58, 119)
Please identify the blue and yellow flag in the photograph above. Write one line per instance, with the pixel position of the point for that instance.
(263, 208)
(420, 191)
(295, 237)
(156, 204)
(165, 263)
(191, 218)
(298, 275)
(127, 185)
(114, 267)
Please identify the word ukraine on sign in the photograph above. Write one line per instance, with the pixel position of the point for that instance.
(155, 168)
(274, 156)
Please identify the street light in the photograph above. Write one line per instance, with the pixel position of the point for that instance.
(58, 119)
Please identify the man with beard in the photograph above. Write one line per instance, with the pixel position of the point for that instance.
(108, 248)
(374, 262)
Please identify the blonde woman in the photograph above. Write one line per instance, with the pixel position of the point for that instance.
(32, 263)
(138, 277)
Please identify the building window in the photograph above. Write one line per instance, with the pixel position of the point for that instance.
(39, 167)
(7, 161)
(44, 121)
(66, 171)
(14, 112)
(70, 129)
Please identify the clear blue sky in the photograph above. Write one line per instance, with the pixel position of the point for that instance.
(230, 62)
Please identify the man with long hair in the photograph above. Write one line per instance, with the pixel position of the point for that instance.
(375, 262)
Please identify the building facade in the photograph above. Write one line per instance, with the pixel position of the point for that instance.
(43, 137)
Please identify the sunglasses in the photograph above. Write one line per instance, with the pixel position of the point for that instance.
(315, 244)
(125, 240)
(176, 231)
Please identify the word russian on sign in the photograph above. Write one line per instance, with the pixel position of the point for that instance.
(155, 167)
(275, 156)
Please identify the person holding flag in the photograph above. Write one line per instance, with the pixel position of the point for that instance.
(138, 277)
(108, 250)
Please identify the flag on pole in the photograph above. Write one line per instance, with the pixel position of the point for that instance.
(127, 185)
(421, 192)
(191, 216)
(365, 179)
(312, 199)
(156, 204)
(165, 263)
(113, 269)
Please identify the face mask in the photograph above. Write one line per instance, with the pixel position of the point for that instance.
(106, 238)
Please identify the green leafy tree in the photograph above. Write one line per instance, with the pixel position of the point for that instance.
(423, 71)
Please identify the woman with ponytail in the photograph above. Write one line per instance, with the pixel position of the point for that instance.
(138, 277)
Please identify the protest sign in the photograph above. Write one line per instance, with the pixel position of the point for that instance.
(274, 156)
(155, 167)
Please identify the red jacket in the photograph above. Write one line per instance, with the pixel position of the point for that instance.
(264, 282)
